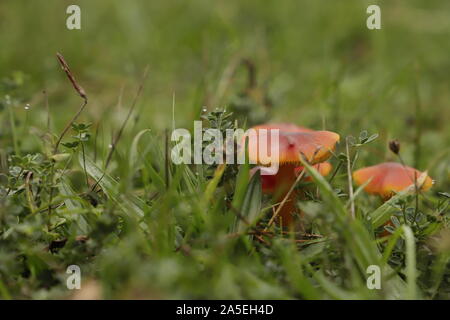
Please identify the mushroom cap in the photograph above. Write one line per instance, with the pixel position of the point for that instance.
(389, 177)
(294, 142)
(270, 180)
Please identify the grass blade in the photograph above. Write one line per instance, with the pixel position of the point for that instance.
(251, 206)
(69, 194)
(212, 185)
(128, 203)
(411, 275)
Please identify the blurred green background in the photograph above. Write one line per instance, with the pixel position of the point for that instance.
(320, 64)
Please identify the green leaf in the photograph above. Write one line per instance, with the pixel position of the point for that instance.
(384, 212)
(213, 183)
(251, 206)
(135, 155)
(240, 190)
(130, 204)
(72, 205)
(411, 273)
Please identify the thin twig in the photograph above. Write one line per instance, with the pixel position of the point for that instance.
(79, 90)
(261, 239)
(133, 105)
(350, 181)
(68, 125)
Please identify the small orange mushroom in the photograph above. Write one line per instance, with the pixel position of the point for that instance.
(389, 178)
(293, 144)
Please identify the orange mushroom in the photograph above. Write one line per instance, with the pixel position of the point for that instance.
(294, 143)
(389, 178)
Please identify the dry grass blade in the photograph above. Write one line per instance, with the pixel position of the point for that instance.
(69, 74)
(79, 90)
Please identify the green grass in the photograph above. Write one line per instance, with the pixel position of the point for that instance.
(142, 227)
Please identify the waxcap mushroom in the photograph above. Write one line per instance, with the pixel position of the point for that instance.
(292, 145)
(294, 142)
(390, 177)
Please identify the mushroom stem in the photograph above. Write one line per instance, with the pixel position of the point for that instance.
(288, 210)
(286, 177)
